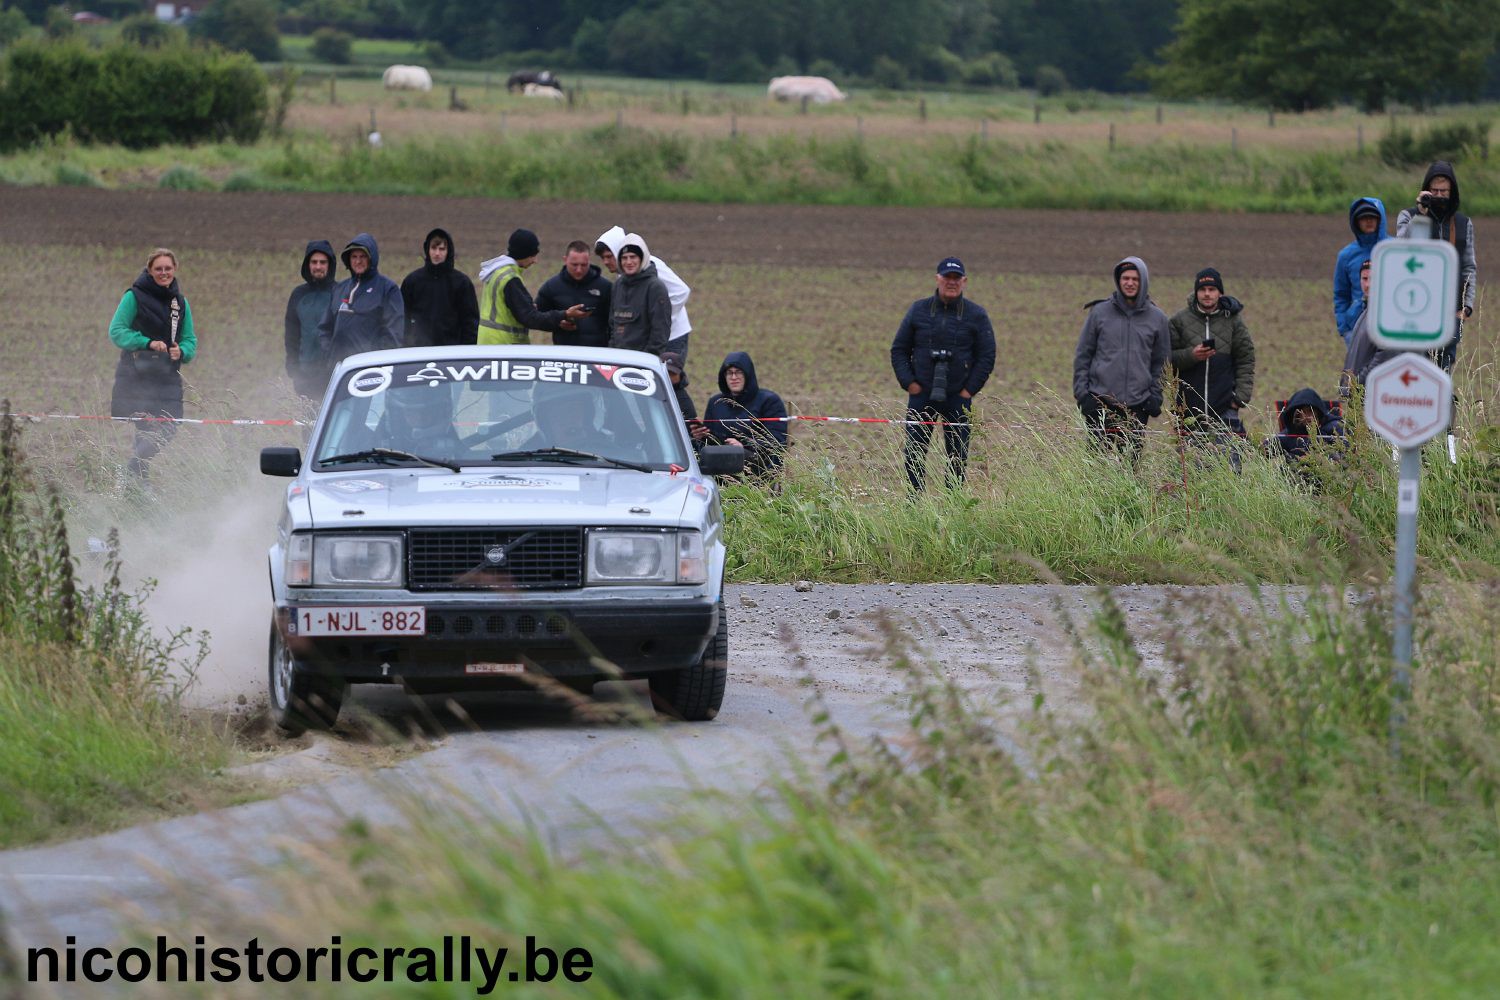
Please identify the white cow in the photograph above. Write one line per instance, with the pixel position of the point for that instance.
(406, 78)
(542, 90)
(817, 89)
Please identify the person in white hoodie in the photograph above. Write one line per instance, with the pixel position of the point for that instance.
(607, 246)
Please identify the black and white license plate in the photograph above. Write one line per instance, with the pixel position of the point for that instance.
(357, 621)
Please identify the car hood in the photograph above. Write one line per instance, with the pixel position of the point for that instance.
(555, 495)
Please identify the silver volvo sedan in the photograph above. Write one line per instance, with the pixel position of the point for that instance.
(482, 517)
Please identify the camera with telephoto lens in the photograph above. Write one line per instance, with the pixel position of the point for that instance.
(1424, 199)
(940, 360)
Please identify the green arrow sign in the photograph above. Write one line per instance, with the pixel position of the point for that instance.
(1412, 264)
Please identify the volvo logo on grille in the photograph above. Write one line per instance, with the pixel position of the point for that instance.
(495, 555)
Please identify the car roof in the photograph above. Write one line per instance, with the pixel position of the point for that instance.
(470, 352)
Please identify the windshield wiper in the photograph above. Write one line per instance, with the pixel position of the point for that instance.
(389, 455)
(568, 454)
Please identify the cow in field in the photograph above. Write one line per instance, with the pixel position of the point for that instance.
(522, 78)
(406, 78)
(542, 90)
(817, 89)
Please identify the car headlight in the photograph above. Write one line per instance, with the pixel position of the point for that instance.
(625, 557)
(358, 560)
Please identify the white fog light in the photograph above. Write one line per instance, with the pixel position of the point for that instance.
(362, 560)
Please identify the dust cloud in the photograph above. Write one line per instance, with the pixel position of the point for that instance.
(209, 563)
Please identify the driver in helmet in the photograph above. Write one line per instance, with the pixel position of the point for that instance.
(419, 419)
(565, 418)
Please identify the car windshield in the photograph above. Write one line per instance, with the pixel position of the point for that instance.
(501, 412)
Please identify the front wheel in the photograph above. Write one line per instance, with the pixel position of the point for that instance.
(300, 699)
(695, 693)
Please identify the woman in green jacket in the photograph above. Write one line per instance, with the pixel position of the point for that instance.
(153, 328)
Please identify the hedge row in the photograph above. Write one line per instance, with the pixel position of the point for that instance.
(132, 96)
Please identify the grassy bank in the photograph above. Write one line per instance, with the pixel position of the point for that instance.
(830, 167)
(1234, 825)
(92, 733)
(1042, 505)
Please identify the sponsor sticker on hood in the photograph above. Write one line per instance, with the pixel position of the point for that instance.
(499, 481)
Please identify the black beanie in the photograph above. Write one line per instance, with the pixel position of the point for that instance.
(1208, 276)
(522, 244)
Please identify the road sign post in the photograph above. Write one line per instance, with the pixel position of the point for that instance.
(1408, 401)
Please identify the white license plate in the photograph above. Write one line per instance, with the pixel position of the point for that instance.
(495, 668)
(361, 621)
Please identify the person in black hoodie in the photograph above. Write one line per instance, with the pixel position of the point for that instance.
(305, 363)
(441, 306)
(743, 413)
(1439, 202)
(1304, 420)
(578, 283)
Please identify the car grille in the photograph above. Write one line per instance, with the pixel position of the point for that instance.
(466, 559)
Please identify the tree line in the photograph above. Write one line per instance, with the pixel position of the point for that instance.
(1284, 54)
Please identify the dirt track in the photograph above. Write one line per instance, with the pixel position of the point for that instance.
(990, 240)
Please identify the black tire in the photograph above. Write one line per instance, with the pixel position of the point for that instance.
(695, 693)
(300, 699)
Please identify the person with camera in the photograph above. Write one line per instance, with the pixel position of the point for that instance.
(943, 353)
(1117, 367)
(1438, 201)
(1214, 359)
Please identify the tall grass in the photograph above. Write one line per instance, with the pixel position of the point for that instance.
(833, 168)
(1046, 505)
(1230, 823)
(91, 729)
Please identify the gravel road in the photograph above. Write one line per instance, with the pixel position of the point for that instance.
(517, 756)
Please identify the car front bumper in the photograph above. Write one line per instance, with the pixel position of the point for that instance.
(565, 640)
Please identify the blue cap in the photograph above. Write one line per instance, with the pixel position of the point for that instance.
(951, 265)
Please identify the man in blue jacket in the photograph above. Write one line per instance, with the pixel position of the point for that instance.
(943, 353)
(366, 312)
(1367, 222)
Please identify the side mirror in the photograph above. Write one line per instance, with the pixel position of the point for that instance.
(280, 461)
(720, 460)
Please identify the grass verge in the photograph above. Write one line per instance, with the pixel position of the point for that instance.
(1232, 822)
(92, 732)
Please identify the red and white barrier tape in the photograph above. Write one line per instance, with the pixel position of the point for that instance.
(247, 422)
(161, 420)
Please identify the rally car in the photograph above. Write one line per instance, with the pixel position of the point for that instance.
(493, 517)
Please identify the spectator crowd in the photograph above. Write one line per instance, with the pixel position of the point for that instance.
(942, 354)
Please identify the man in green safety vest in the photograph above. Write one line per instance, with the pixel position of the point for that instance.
(506, 308)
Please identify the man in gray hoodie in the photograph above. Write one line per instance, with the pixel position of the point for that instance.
(1121, 352)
